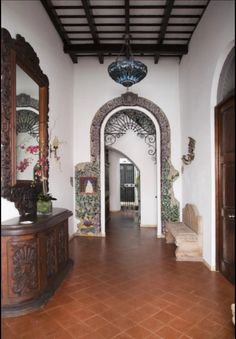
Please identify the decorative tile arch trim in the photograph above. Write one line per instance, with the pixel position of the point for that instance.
(130, 99)
(169, 205)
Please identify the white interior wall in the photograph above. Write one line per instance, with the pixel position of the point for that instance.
(199, 76)
(29, 19)
(160, 86)
(114, 180)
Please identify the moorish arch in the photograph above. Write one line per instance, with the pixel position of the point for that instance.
(169, 205)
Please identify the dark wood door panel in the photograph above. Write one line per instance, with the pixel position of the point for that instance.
(225, 187)
(127, 183)
(228, 129)
(228, 185)
(228, 241)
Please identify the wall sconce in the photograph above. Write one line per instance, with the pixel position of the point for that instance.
(188, 158)
(54, 147)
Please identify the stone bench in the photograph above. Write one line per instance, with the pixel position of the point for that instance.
(187, 235)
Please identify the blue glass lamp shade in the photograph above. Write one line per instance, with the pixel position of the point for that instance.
(127, 72)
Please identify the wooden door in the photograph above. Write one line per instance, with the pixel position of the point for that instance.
(127, 185)
(225, 187)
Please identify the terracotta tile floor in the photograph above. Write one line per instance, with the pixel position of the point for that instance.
(128, 285)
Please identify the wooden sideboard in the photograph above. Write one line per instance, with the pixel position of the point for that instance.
(35, 260)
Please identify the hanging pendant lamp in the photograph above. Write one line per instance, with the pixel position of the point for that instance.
(125, 70)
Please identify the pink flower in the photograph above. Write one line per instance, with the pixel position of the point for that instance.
(32, 149)
(38, 173)
(23, 165)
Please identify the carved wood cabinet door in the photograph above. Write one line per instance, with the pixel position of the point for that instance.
(21, 268)
(54, 252)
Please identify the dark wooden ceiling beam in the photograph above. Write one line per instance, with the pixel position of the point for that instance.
(135, 54)
(89, 16)
(131, 32)
(114, 24)
(131, 7)
(120, 16)
(136, 48)
(93, 45)
(164, 24)
(127, 16)
(132, 39)
(47, 4)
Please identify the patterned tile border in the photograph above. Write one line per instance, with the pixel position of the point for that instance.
(87, 208)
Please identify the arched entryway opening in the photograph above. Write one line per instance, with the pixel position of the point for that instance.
(123, 177)
(133, 133)
(168, 206)
(90, 204)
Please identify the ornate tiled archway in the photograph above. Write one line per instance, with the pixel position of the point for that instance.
(169, 205)
(130, 99)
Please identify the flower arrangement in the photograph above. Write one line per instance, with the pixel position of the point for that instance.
(45, 197)
(40, 170)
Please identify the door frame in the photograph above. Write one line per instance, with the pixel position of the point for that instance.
(159, 232)
(218, 188)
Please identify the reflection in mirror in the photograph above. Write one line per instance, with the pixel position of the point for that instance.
(27, 125)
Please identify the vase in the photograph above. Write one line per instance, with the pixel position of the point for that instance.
(44, 207)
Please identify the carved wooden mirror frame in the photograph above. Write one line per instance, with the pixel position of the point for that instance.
(19, 52)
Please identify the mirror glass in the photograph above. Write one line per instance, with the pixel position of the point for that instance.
(27, 125)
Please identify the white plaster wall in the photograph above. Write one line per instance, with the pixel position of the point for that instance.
(114, 180)
(199, 75)
(93, 88)
(29, 19)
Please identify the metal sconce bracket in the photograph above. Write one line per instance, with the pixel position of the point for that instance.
(188, 158)
(54, 147)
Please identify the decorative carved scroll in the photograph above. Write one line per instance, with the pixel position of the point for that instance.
(51, 254)
(62, 248)
(24, 267)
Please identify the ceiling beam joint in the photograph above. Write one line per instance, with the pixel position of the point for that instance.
(167, 13)
(136, 48)
(90, 19)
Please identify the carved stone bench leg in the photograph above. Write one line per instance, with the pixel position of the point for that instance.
(188, 251)
(169, 238)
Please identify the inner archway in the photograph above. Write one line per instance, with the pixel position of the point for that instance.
(133, 133)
